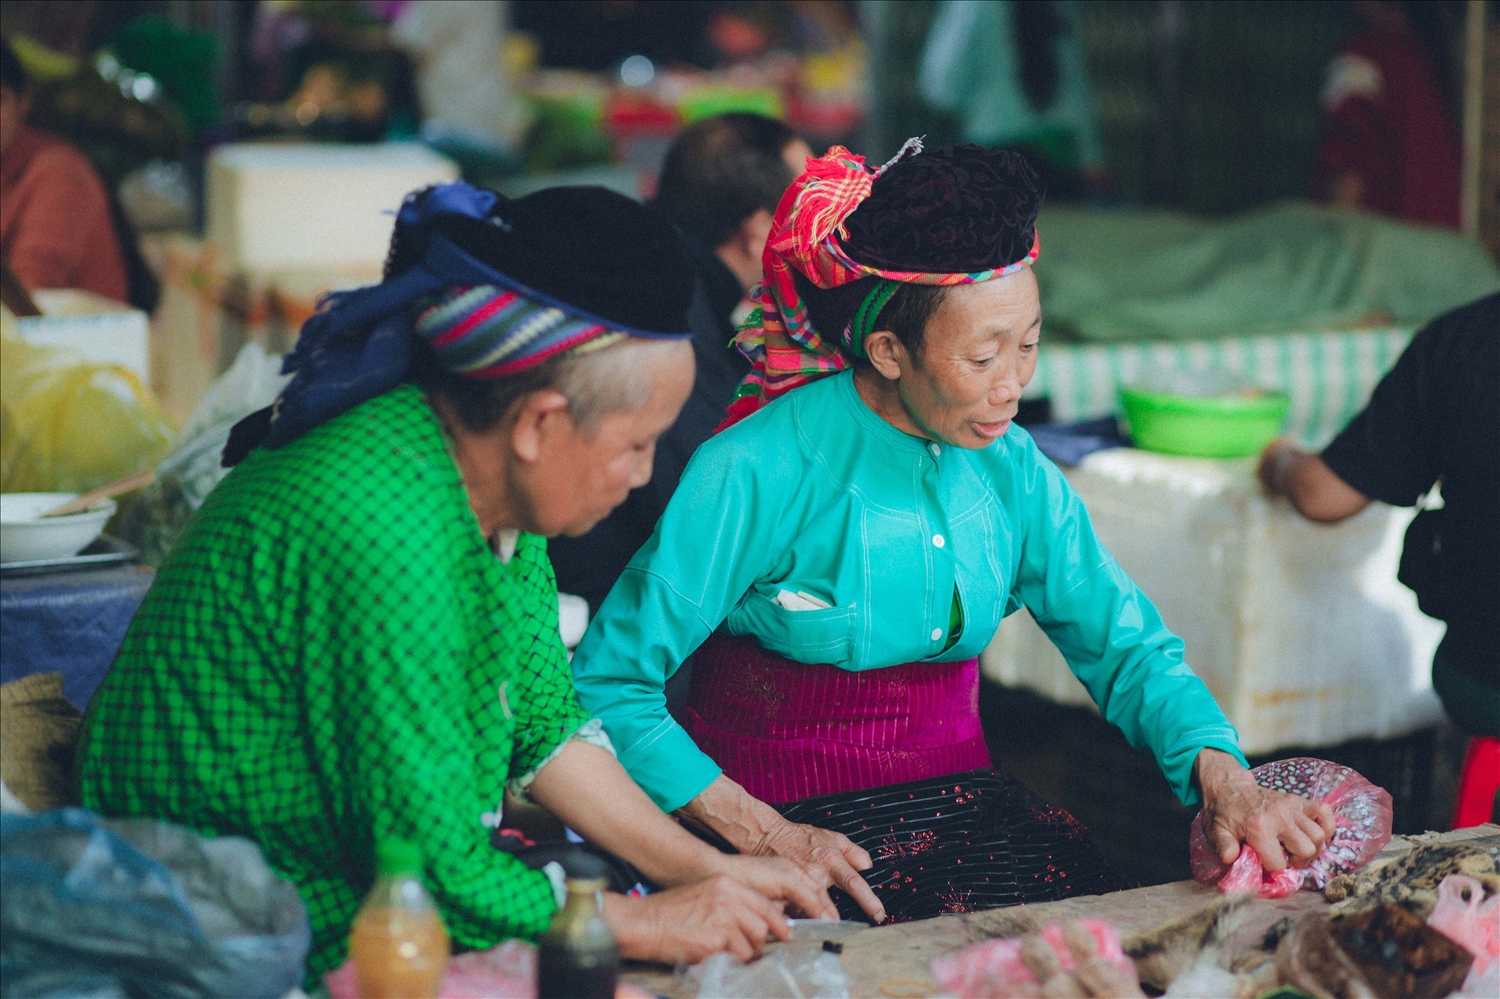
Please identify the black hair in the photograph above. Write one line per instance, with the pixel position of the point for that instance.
(12, 73)
(1037, 29)
(720, 171)
(906, 314)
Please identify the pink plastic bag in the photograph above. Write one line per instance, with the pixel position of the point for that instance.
(991, 969)
(1466, 917)
(1362, 828)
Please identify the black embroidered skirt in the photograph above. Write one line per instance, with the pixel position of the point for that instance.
(960, 843)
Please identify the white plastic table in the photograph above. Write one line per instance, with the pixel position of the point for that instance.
(1300, 629)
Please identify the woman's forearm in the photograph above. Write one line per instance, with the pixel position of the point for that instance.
(1313, 488)
(586, 788)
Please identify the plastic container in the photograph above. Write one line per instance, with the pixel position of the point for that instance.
(1362, 827)
(1230, 424)
(399, 946)
(25, 535)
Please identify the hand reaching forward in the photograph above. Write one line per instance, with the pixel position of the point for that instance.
(1283, 828)
(685, 925)
(828, 857)
(753, 827)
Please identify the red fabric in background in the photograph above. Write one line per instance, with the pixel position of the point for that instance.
(786, 730)
(1402, 141)
(55, 227)
(1478, 782)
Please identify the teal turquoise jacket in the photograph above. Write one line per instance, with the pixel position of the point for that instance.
(816, 494)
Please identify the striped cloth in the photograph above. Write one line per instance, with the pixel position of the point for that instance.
(1329, 375)
(493, 331)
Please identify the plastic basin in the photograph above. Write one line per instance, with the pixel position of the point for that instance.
(24, 537)
(1213, 426)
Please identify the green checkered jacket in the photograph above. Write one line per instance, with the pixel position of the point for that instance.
(332, 655)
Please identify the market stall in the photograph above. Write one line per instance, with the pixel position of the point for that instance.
(897, 961)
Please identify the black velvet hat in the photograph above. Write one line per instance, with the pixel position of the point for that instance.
(958, 209)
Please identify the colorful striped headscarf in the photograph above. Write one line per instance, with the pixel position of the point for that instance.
(494, 287)
(957, 206)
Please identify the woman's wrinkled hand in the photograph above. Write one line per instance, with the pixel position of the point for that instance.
(685, 925)
(781, 880)
(828, 857)
(1284, 829)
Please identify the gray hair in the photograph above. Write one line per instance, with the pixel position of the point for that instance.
(596, 382)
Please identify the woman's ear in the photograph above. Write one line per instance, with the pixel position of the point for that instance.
(540, 416)
(886, 354)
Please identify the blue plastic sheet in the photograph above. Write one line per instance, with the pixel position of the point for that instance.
(142, 909)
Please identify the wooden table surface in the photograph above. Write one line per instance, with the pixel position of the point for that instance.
(903, 953)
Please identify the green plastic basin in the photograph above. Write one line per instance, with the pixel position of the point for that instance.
(1217, 426)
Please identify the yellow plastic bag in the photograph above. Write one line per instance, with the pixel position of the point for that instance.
(70, 426)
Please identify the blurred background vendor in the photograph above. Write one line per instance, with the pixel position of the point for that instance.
(56, 228)
(1434, 418)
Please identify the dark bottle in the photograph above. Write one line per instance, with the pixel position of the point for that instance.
(577, 957)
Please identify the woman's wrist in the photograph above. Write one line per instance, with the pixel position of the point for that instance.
(1213, 769)
(732, 813)
(634, 934)
(1276, 465)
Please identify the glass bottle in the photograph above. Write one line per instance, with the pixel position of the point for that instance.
(577, 957)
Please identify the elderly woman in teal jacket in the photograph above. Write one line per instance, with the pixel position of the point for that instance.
(841, 552)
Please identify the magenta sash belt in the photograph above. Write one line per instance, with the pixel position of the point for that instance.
(786, 730)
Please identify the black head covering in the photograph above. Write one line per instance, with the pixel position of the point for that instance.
(587, 246)
(957, 209)
(596, 257)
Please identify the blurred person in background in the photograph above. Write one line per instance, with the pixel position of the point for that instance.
(1434, 418)
(1389, 141)
(720, 185)
(56, 228)
(1013, 72)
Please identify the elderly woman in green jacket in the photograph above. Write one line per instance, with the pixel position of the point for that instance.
(356, 637)
(837, 557)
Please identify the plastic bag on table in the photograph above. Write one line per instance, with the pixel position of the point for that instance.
(153, 519)
(996, 968)
(791, 971)
(1465, 916)
(1362, 828)
(142, 909)
(70, 426)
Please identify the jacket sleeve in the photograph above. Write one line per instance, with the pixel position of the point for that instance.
(712, 543)
(540, 696)
(1111, 635)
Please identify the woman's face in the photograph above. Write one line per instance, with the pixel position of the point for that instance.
(979, 353)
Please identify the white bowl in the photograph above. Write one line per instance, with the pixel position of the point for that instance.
(25, 537)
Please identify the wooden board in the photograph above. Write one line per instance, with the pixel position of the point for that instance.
(898, 957)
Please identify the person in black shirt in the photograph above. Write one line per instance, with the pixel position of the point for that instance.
(720, 185)
(1434, 418)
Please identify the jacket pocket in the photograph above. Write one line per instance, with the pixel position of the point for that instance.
(808, 636)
